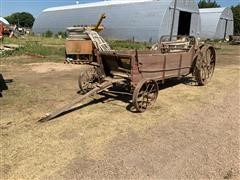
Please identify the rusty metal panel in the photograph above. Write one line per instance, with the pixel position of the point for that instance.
(155, 65)
(151, 65)
(187, 59)
(160, 66)
(79, 47)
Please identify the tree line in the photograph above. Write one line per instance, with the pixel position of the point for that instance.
(21, 19)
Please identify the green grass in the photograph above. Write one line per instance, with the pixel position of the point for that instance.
(37, 50)
(226, 49)
(40, 49)
(35, 39)
(54, 48)
(124, 45)
(36, 46)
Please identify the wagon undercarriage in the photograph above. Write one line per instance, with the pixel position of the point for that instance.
(140, 73)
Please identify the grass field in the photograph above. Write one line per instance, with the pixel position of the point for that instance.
(54, 47)
(191, 132)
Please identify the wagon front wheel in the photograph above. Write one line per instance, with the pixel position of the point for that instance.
(85, 81)
(145, 95)
(88, 80)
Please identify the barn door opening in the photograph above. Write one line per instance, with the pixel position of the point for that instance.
(225, 30)
(184, 23)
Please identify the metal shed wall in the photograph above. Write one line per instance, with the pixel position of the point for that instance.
(143, 20)
(4, 21)
(214, 21)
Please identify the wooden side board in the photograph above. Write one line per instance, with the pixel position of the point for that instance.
(79, 47)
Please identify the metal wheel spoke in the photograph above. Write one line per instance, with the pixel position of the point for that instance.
(151, 96)
(205, 73)
(211, 69)
(152, 88)
(202, 74)
(142, 102)
(140, 95)
(208, 57)
(146, 90)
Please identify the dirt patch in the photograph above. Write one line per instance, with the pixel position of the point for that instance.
(17, 58)
(202, 143)
(51, 67)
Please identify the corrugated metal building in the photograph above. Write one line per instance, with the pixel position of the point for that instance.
(143, 20)
(4, 21)
(217, 23)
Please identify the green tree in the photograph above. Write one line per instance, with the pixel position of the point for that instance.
(22, 19)
(236, 17)
(48, 33)
(208, 4)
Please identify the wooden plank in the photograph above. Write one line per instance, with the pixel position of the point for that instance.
(180, 65)
(164, 67)
(79, 47)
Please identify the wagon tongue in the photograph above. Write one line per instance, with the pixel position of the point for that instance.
(47, 117)
(61, 111)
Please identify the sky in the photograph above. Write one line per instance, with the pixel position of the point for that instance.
(7, 7)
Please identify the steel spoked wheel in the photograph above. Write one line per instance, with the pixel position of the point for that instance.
(205, 66)
(88, 80)
(145, 95)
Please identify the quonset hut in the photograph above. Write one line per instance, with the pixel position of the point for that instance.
(143, 20)
(4, 21)
(217, 23)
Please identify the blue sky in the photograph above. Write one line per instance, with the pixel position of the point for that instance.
(7, 7)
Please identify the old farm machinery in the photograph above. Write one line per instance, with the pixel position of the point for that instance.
(82, 41)
(142, 72)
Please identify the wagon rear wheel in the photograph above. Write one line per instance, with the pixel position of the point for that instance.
(205, 66)
(145, 95)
